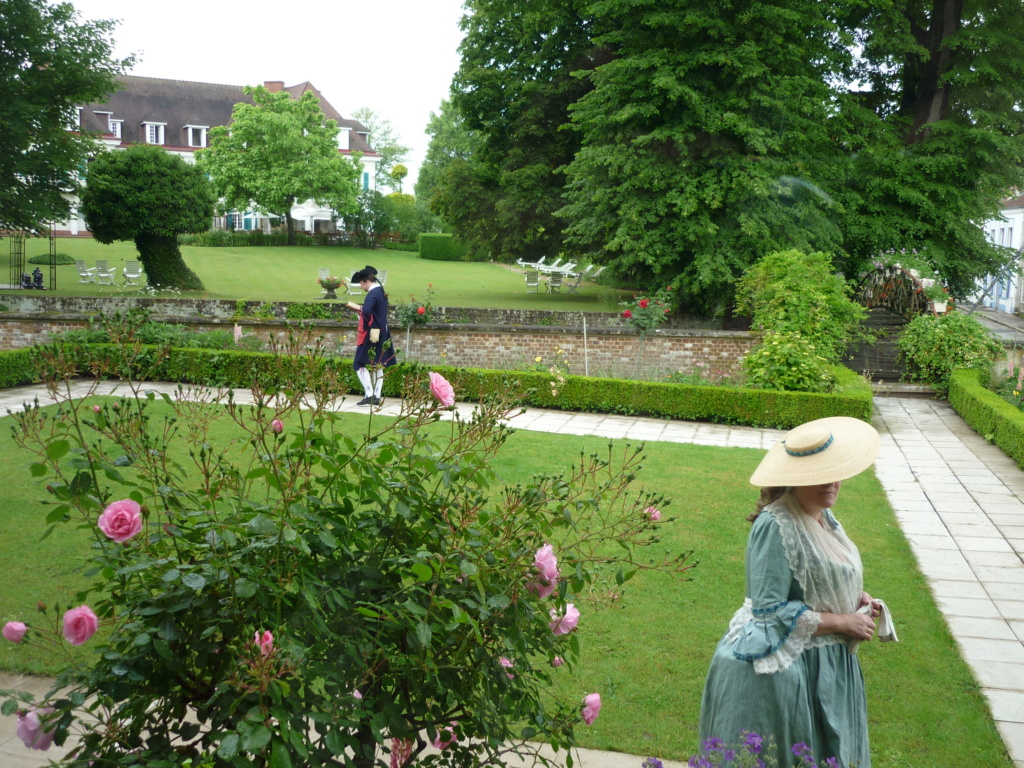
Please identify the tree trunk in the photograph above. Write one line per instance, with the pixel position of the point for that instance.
(162, 262)
(290, 221)
(925, 97)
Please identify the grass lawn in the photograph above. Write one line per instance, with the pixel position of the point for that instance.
(290, 274)
(648, 656)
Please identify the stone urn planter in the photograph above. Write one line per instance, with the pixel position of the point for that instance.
(330, 284)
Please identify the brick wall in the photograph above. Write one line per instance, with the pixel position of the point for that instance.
(603, 352)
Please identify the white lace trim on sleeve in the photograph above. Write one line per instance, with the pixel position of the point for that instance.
(798, 639)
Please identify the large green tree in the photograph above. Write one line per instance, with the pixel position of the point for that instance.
(279, 151)
(683, 140)
(50, 61)
(385, 141)
(148, 195)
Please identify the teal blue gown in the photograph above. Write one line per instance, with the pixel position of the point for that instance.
(809, 689)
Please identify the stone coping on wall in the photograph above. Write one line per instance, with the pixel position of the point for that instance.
(251, 322)
(218, 309)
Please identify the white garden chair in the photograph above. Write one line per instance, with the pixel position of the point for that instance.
(104, 274)
(532, 282)
(85, 274)
(132, 272)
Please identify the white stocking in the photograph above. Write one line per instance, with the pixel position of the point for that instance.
(366, 381)
(378, 381)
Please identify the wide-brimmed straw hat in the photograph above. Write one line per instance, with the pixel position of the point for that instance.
(818, 452)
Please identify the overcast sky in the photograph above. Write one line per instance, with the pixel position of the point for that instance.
(395, 56)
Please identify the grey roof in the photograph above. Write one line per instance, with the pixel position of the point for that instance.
(1014, 202)
(179, 103)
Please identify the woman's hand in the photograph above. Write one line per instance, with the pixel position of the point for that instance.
(858, 625)
(866, 599)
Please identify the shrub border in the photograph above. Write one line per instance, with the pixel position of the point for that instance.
(728, 405)
(987, 413)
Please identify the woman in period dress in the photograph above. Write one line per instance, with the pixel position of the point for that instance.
(787, 667)
(374, 351)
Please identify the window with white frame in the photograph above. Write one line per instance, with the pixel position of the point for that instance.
(154, 132)
(195, 135)
(114, 127)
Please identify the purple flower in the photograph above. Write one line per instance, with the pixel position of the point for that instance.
(699, 761)
(713, 745)
(729, 754)
(831, 762)
(752, 741)
(800, 749)
(652, 762)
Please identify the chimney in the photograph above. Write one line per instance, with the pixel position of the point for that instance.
(274, 85)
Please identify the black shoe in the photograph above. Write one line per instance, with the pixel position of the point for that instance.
(378, 401)
(367, 401)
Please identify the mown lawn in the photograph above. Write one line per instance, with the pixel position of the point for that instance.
(290, 274)
(648, 655)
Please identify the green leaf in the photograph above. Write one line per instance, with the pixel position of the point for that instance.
(279, 755)
(194, 581)
(228, 746)
(36, 469)
(9, 707)
(468, 569)
(329, 539)
(58, 449)
(421, 571)
(254, 738)
(335, 743)
(424, 633)
(245, 589)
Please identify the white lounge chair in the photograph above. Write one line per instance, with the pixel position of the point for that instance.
(85, 274)
(552, 267)
(132, 272)
(104, 275)
(531, 264)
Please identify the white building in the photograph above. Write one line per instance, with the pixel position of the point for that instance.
(178, 116)
(1007, 295)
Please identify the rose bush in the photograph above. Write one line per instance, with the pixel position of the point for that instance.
(322, 596)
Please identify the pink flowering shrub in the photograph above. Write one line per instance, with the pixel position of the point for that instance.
(367, 580)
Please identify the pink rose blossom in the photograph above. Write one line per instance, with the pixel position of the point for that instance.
(15, 631)
(356, 694)
(653, 514)
(547, 568)
(121, 520)
(507, 664)
(591, 707)
(448, 732)
(96, 409)
(401, 751)
(627, 314)
(80, 624)
(33, 731)
(563, 625)
(442, 390)
(277, 426)
(265, 642)
(557, 661)
(421, 310)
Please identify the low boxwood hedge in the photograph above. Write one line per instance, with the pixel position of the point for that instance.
(987, 413)
(752, 407)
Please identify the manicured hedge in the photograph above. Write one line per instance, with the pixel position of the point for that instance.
(761, 408)
(17, 368)
(987, 413)
(438, 246)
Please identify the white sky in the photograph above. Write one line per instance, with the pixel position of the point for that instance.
(395, 56)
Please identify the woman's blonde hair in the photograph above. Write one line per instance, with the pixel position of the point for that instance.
(768, 495)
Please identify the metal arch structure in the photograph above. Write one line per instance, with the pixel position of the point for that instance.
(894, 288)
(17, 260)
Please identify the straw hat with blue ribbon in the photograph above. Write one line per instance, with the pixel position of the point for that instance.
(819, 452)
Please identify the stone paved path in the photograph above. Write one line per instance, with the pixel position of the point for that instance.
(959, 501)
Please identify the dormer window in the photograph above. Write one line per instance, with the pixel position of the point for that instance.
(114, 127)
(153, 132)
(195, 135)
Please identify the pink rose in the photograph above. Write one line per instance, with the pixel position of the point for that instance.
(277, 426)
(33, 731)
(356, 694)
(557, 661)
(15, 631)
(627, 314)
(546, 563)
(96, 409)
(421, 311)
(591, 707)
(265, 642)
(654, 515)
(442, 390)
(448, 732)
(563, 625)
(643, 303)
(507, 664)
(121, 520)
(542, 590)
(80, 624)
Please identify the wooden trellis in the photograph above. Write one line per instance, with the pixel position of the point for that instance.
(894, 288)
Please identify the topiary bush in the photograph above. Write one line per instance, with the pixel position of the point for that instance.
(789, 362)
(44, 259)
(933, 346)
(441, 247)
